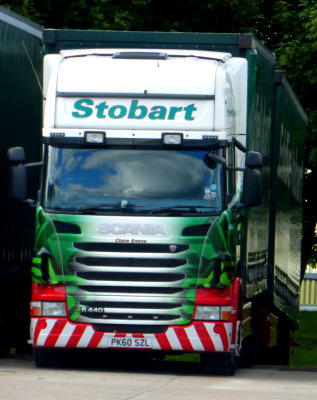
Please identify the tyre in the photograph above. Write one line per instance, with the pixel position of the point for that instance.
(248, 356)
(5, 334)
(221, 364)
(4, 346)
(283, 343)
(46, 358)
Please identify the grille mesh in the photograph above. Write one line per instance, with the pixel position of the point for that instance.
(118, 289)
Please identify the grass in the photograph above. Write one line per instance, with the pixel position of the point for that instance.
(305, 351)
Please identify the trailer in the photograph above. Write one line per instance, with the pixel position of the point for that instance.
(20, 112)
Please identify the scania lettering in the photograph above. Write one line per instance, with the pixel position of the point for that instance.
(165, 221)
(133, 229)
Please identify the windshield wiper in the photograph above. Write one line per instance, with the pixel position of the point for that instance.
(120, 206)
(191, 209)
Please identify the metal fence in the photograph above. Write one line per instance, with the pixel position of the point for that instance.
(308, 293)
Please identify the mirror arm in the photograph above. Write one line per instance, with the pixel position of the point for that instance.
(238, 207)
(35, 164)
(235, 168)
(30, 202)
(239, 145)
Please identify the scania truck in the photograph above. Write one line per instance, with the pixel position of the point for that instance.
(169, 217)
(20, 115)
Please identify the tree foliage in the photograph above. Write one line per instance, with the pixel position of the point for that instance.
(159, 15)
(288, 27)
(297, 55)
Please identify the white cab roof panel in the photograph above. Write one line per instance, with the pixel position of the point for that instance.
(96, 71)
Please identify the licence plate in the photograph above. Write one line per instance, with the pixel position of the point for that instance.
(130, 343)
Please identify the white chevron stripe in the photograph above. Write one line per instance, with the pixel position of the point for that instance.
(86, 337)
(215, 337)
(45, 332)
(65, 335)
(194, 338)
(173, 339)
(229, 329)
(32, 329)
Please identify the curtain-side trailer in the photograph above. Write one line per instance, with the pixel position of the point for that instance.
(20, 115)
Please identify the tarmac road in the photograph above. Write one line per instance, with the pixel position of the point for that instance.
(127, 380)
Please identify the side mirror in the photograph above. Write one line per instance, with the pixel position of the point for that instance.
(18, 182)
(252, 188)
(18, 179)
(253, 160)
(16, 155)
(17, 173)
(252, 179)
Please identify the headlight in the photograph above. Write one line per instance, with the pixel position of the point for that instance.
(95, 137)
(53, 309)
(48, 308)
(213, 313)
(172, 138)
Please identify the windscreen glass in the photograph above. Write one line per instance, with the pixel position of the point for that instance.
(139, 181)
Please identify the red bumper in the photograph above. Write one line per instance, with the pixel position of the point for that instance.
(196, 337)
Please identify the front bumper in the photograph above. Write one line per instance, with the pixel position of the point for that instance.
(197, 337)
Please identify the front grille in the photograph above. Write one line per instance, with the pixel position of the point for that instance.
(130, 247)
(118, 289)
(127, 304)
(130, 277)
(135, 317)
(130, 262)
(128, 290)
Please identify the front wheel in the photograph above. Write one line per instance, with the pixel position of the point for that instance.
(221, 364)
(46, 358)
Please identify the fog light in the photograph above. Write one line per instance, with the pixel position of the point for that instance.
(95, 137)
(172, 138)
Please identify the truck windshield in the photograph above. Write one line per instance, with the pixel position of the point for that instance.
(136, 181)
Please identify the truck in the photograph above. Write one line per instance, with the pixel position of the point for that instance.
(20, 113)
(169, 215)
